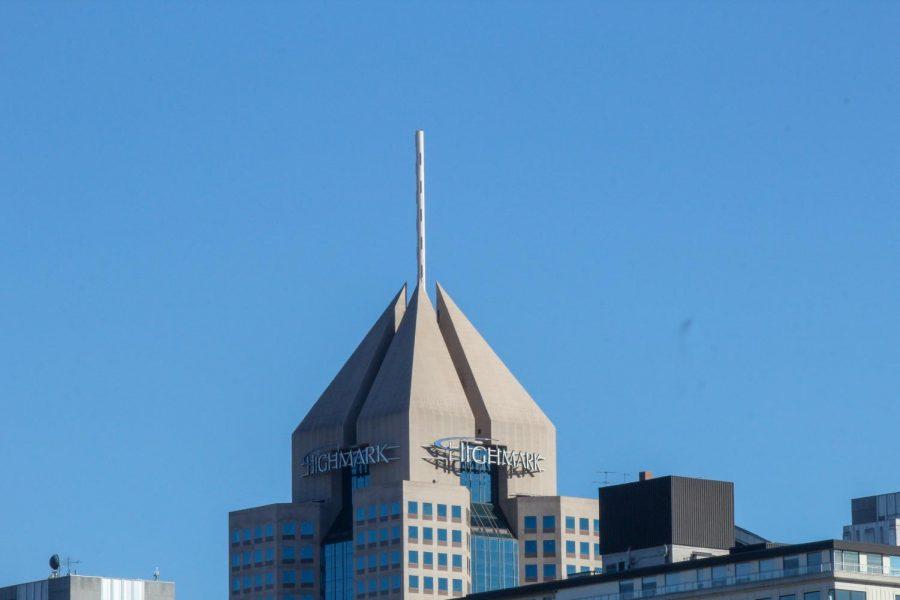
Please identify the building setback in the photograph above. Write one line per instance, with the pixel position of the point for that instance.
(424, 469)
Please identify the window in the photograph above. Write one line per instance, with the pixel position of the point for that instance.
(246, 556)
(570, 569)
(235, 536)
(442, 536)
(372, 535)
(413, 532)
(360, 563)
(383, 560)
(442, 511)
(570, 524)
(791, 565)
(414, 581)
(530, 524)
(429, 583)
(584, 549)
(306, 576)
(383, 510)
(848, 595)
(788, 597)
(395, 558)
(442, 584)
(583, 525)
(530, 548)
(457, 586)
(456, 512)
(257, 534)
(269, 530)
(457, 562)
(626, 589)
(596, 526)
(719, 575)
(288, 553)
(372, 561)
(395, 509)
(596, 550)
(371, 511)
(570, 547)
(427, 534)
(648, 587)
(428, 560)
(812, 595)
(383, 534)
(288, 529)
(743, 572)
(307, 529)
(530, 572)
(270, 554)
(395, 581)
(247, 535)
(548, 522)
(442, 560)
(895, 566)
(235, 560)
(360, 514)
(874, 564)
(257, 556)
(549, 547)
(456, 537)
(235, 584)
(549, 571)
(289, 577)
(412, 508)
(395, 533)
(426, 510)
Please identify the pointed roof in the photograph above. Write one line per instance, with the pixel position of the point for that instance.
(417, 392)
(493, 391)
(332, 419)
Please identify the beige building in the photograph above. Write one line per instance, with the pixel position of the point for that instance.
(826, 570)
(424, 469)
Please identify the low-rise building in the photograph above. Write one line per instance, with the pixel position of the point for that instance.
(80, 587)
(825, 570)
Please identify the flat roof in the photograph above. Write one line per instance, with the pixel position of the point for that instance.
(739, 555)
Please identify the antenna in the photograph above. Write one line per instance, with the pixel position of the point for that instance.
(69, 564)
(156, 574)
(420, 205)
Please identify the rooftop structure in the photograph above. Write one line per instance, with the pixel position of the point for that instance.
(425, 467)
(875, 519)
(81, 587)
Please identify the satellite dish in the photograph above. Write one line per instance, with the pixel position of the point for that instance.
(54, 562)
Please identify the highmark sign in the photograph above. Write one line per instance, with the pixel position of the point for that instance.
(323, 461)
(460, 453)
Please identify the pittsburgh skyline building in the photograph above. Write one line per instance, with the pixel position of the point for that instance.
(424, 469)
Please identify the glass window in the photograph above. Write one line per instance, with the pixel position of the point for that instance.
(812, 596)
(412, 507)
(360, 514)
(596, 550)
(530, 523)
(413, 532)
(288, 553)
(584, 524)
(719, 575)
(456, 512)
(427, 534)
(395, 532)
(570, 546)
(530, 547)
(791, 565)
(530, 572)
(429, 583)
(289, 576)
(235, 560)
(428, 559)
(247, 558)
(270, 530)
(457, 586)
(549, 547)
(383, 510)
(235, 584)
(457, 561)
(442, 584)
(414, 581)
(395, 509)
(743, 571)
(648, 586)
(270, 554)
(442, 559)
(570, 523)
(413, 557)
(548, 522)
(788, 597)
(456, 536)
(570, 569)
(895, 565)
(307, 528)
(383, 534)
(596, 525)
(360, 563)
(257, 532)
(383, 560)
(288, 528)
(494, 563)
(549, 571)
(442, 511)
(395, 581)
(372, 561)
(442, 535)
(584, 548)
(426, 509)
(371, 511)
(306, 576)
(235, 536)
(372, 536)
(874, 564)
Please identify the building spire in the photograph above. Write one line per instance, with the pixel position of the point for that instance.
(420, 205)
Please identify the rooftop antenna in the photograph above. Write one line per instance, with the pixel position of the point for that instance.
(420, 205)
(69, 564)
(156, 574)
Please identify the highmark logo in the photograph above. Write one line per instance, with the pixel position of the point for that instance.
(323, 461)
(456, 454)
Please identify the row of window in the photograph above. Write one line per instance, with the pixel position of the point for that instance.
(455, 560)
(412, 510)
(548, 549)
(267, 555)
(373, 511)
(376, 584)
(455, 535)
(548, 524)
(374, 536)
(267, 532)
(383, 560)
(531, 572)
(288, 578)
(442, 584)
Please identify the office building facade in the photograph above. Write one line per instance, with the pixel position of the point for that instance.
(424, 469)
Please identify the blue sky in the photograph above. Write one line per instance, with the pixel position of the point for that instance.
(676, 222)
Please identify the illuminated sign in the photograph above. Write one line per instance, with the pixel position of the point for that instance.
(458, 453)
(319, 461)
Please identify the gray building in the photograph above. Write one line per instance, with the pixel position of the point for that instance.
(81, 587)
(875, 519)
(825, 570)
(424, 469)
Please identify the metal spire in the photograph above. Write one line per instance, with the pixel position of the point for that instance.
(420, 204)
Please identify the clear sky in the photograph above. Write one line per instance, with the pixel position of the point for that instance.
(677, 223)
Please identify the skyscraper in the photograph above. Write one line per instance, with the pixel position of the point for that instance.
(424, 468)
